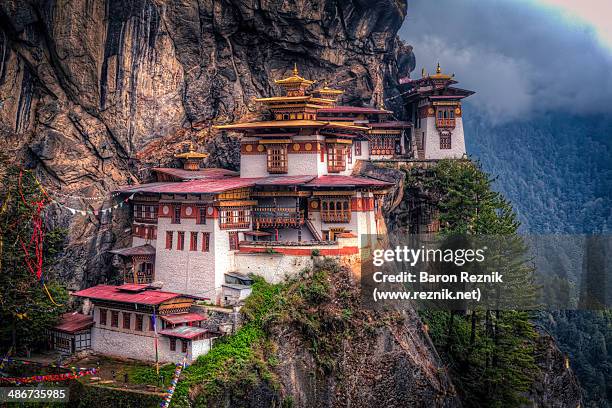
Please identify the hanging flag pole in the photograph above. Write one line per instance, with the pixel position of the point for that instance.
(156, 349)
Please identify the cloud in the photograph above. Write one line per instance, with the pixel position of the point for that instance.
(520, 58)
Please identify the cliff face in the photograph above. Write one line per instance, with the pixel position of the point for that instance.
(91, 91)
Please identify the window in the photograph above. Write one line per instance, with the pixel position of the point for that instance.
(172, 344)
(322, 155)
(277, 158)
(145, 272)
(114, 319)
(349, 156)
(358, 148)
(201, 215)
(149, 233)
(103, 317)
(169, 239)
(445, 140)
(233, 241)
(445, 117)
(176, 218)
(183, 346)
(139, 322)
(180, 245)
(127, 317)
(235, 217)
(193, 243)
(336, 161)
(205, 242)
(335, 209)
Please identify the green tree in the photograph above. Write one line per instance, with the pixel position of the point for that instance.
(491, 351)
(26, 310)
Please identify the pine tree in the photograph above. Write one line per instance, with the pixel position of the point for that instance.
(490, 350)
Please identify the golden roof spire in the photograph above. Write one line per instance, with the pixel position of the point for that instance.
(191, 154)
(295, 70)
(439, 74)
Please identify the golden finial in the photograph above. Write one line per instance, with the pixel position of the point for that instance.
(191, 147)
(295, 70)
(438, 69)
(423, 73)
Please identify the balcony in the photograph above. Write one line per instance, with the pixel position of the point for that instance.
(277, 217)
(335, 216)
(445, 123)
(234, 225)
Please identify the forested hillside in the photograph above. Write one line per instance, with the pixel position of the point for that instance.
(557, 171)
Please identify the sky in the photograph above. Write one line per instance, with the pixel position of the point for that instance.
(522, 57)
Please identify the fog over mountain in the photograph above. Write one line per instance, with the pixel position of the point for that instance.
(541, 122)
(521, 58)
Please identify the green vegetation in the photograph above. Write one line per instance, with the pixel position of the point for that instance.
(556, 170)
(491, 352)
(26, 311)
(246, 359)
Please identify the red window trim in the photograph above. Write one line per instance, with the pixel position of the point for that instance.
(193, 241)
(169, 239)
(180, 242)
(205, 241)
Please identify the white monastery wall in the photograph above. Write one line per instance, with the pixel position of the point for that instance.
(432, 140)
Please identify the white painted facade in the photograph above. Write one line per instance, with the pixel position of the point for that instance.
(140, 345)
(432, 140)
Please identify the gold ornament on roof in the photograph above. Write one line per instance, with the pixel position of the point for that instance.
(191, 154)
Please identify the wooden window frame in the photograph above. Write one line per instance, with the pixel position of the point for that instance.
(205, 241)
(127, 320)
(176, 214)
(335, 210)
(277, 158)
(202, 215)
(336, 158)
(446, 141)
(357, 148)
(169, 239)
(102, 318)
(184, 346)
(233, 241)
(139, 322)
(193, 241)
(180, 241)
(114, 318)
(172, 344)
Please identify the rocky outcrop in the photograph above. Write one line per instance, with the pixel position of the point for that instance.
(93, 92)
(556, 384)
(324, 348)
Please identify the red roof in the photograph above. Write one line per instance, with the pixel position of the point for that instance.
(348, 181)
(183, 318)
(205, 186)
(353, 109)
(184, 332)
(146, 249)
(390, 124)
(74, 322)
(196, 174)
(284, 180)
(118, 294)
